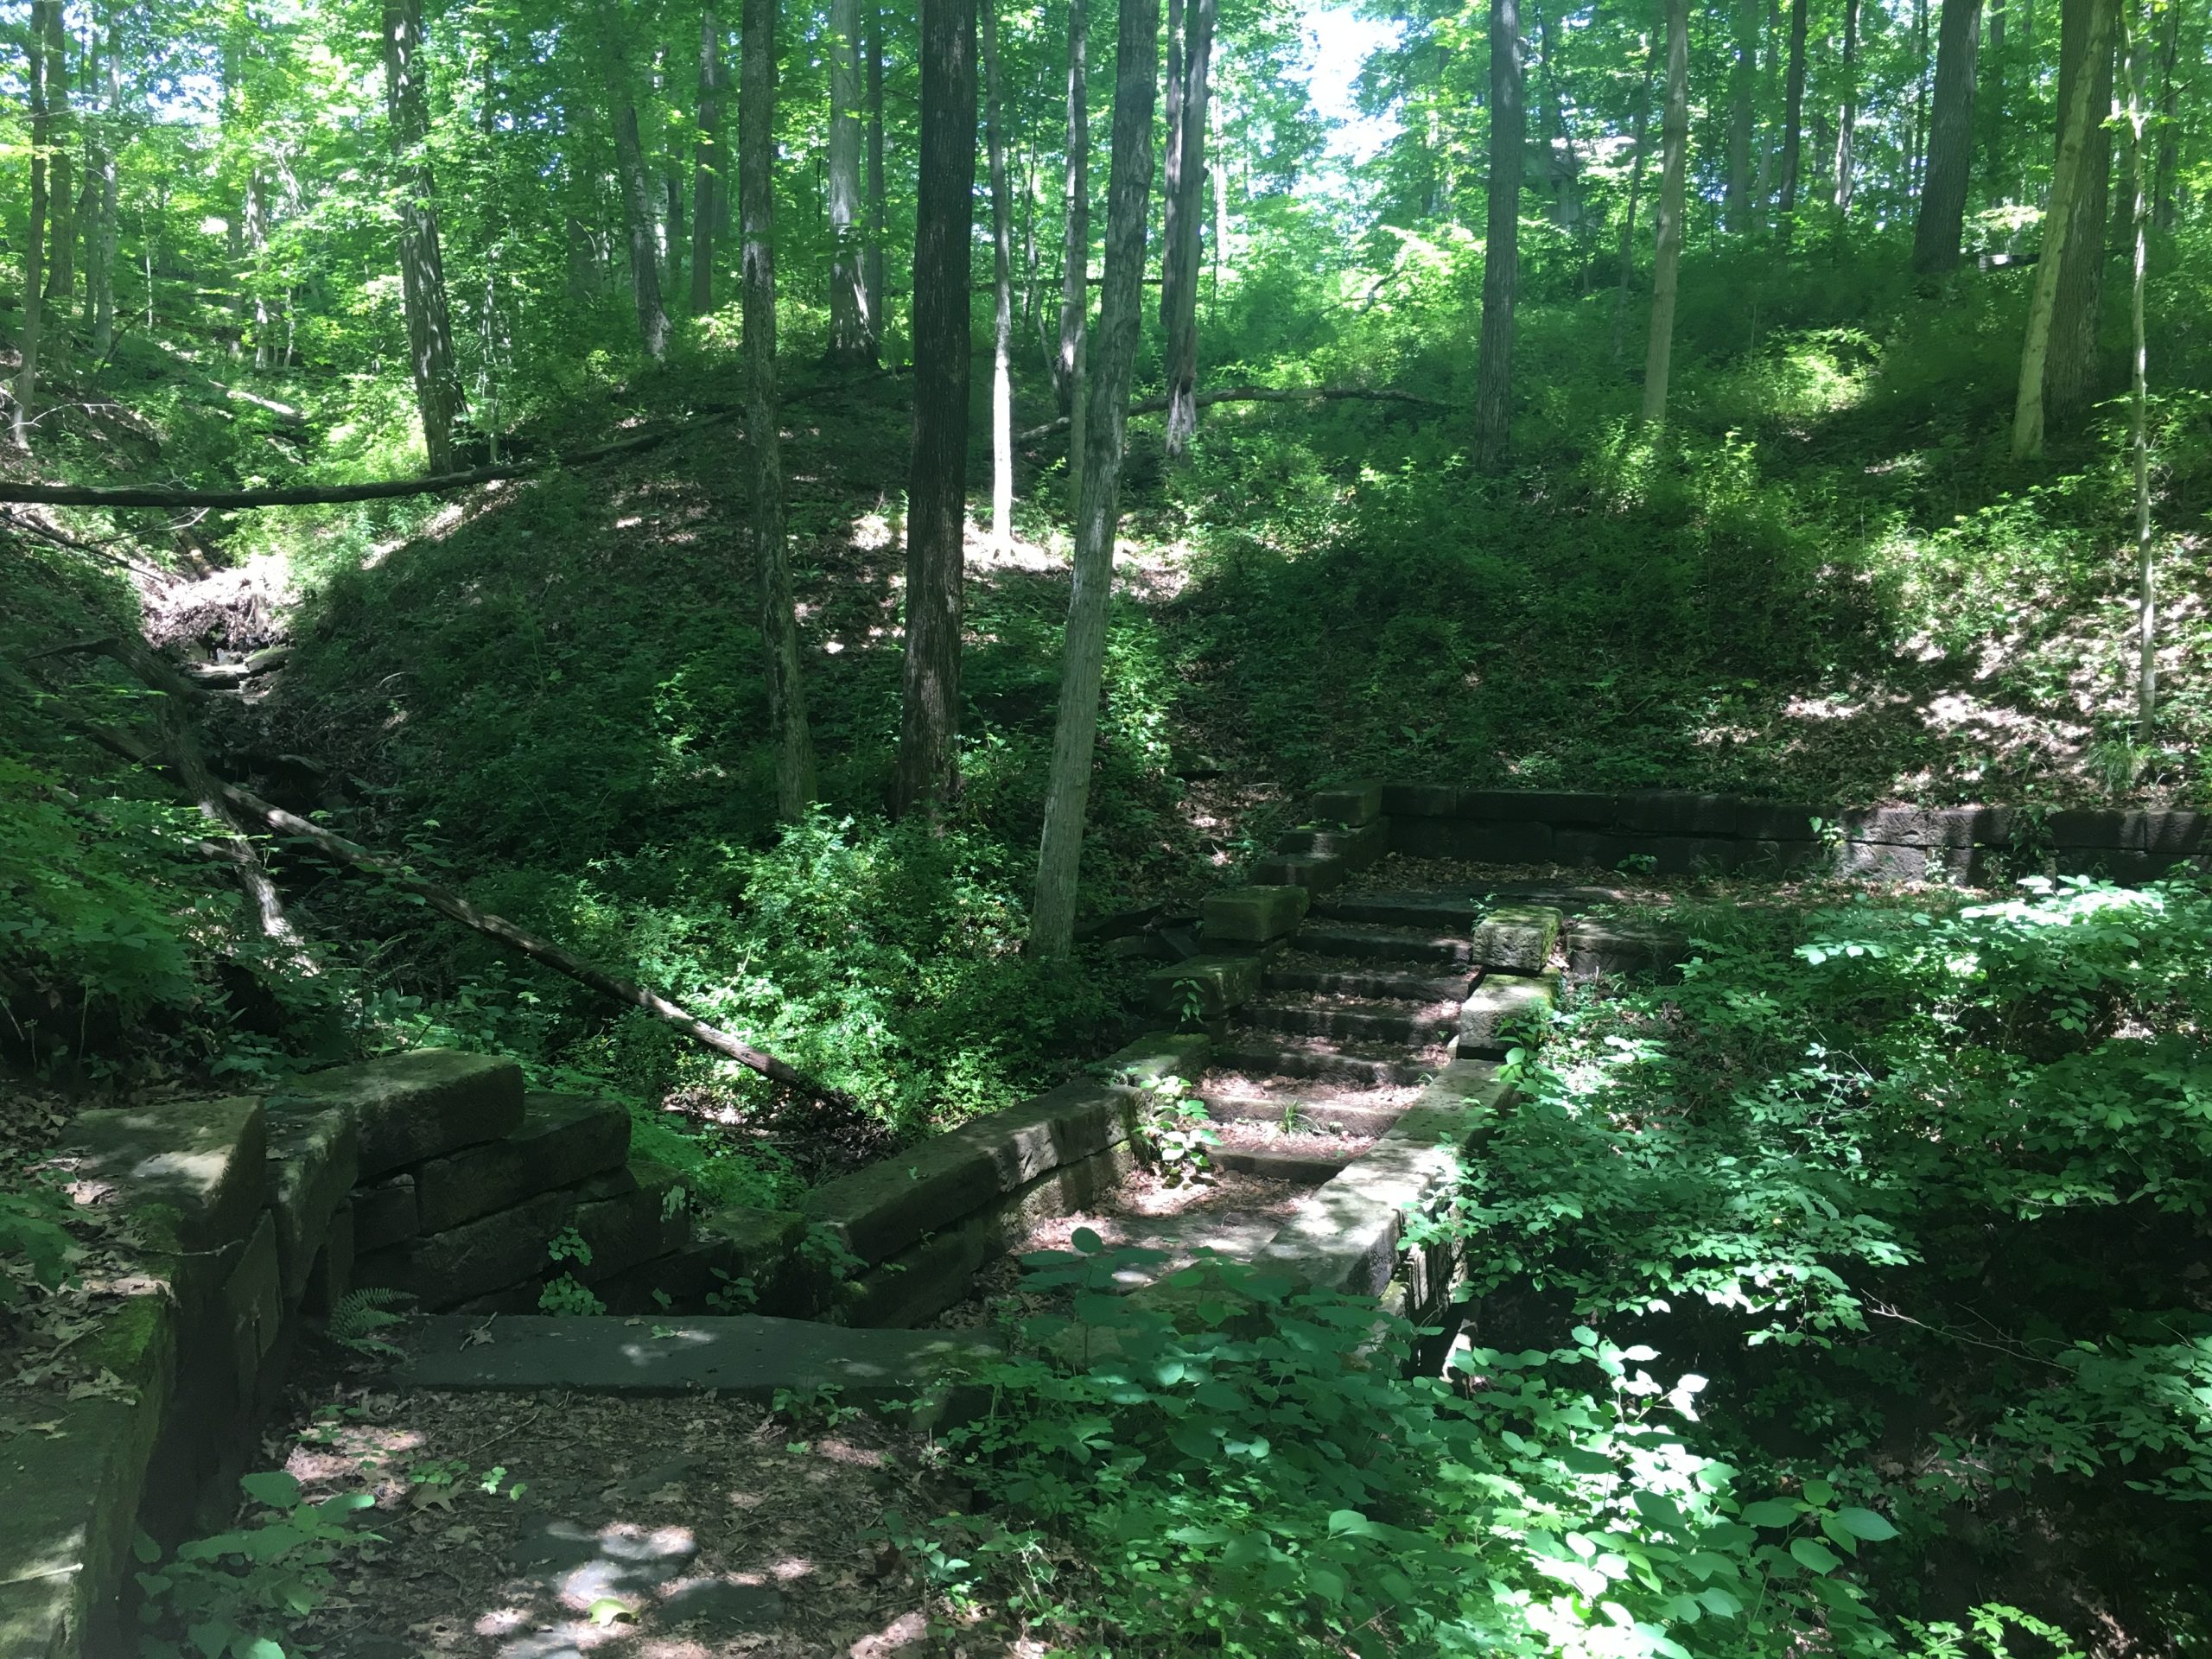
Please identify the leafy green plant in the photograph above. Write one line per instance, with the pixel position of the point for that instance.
(232, 1594)
(1175, 1128)
(568, 1297)
(35, 1244)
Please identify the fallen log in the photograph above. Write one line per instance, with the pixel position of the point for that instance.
(1254, 394)
(315, 495)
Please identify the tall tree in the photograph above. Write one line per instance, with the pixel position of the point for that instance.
(1992, 100)
(1743, 81)
(1640, 152)
(1002, 291)
(1075, 734)
(852, 331)
(1667, 263)
(707, 181)
(2070, 372)
(936, 486)
(2146, 563)
(874, 48)
(104, 246)
(41, 130)
(1501, 245)
(1068, 361)
(1186, 172)
(1950, 140)
(1793, 124)
(638, 217)
(2078, 114)
(61, 264)
(1846, 125)
(2163, 203)
(422, 267)
(756, 208)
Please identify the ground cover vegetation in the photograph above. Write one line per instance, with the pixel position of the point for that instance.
(1809, 401)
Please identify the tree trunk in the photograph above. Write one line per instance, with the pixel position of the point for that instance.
(1501, 236)
(1635, 197)
(707, 164)
(874, 265)
(61, 262)
(1770, 97)
(106, 232)
(1991, 100)
(1848, 117)
(2163, 205)
(1667, 265)
(1915, 149)
(1793, 123)
(852, 330)
(1950, 140)
(638, 214)
(41, 129)
(1075, 247)
(1742, 83)
(2078, 115)
(2070, 372)
(2146, 565)
(756, 207)
(1002, 293)
(422, 269)
(1180, 285)
(937, 487)
(1052, 928)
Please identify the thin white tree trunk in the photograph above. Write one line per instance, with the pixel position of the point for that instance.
(2146, 563)
(1003, 292)
(1667, 268)
(34, 240)
(852, 331)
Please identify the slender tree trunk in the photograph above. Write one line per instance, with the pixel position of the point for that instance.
(2078, 114)
(1992, 100)
(1179, 291)
(1950, 140)
(756, 208)
(637, 208)
(1847, 118)
(1001, 292)
(1770, 97)
(1075, 247)
(1916, 151)
(61, 263)
(2146, 563)
(877, 300)
(1052, 930)
(707, 164)
(1172, 155)
(1667, 265)
(1793, 123)
(257, 243)
(2071, 373)
(422, 269)
(41, 130)
(107, 231)
(852, 330)
(2163, 199)
(1502, 235)
(937, 487)
(1742, 83)
(1641, 151)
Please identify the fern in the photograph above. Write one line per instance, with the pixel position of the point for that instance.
(360, 1314)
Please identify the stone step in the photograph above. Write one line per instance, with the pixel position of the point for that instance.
(1440, 912)
(1301, 1168)
(1624, 948)
(1262, 1054)
(1314, 1108)
(1405, 1022)
(745, 1354)
(1367, 940)
(1417, 981)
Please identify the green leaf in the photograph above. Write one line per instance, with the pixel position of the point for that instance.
(1812, 1554)
(1865, 1523)
(273, 1487)
(606, 1611)
(1773, 1512)
(1819, 1493)
(1086, 1241)
(260, 1648)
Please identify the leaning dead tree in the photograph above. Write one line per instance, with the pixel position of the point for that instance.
(223, 803)
(1246, 395)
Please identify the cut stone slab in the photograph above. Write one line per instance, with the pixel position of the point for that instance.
(880, 1211)
(488, 1253)
(1350, 804)
(253, 1307)
(330, 1274)
(385, 1213)
(312, 1158)
(1319, 874)
(425, 1103)
(190, 1172)
(745, 1354)
(561, 1139)
(628, 1228)
(1357, 846)
(73, 1492)
(1219, 984)
(1594, 947)
(1159, 1054)
(1517, 938)
(1252, 915)
(1501, 1002)
(1301, 1168)
(733, 1253)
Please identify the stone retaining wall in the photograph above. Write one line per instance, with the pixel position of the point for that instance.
(1683, 831)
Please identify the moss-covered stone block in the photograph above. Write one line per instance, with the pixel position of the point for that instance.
(423, 1104)
(1499, 1005)
(1202, 986)
(561, 1139)
(1517, 938)
(1159, 1054)
(191, 1173)
(1253, 915)
(312, 1158)
(1347, 803)
(1319, 875)
(1357, 846)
